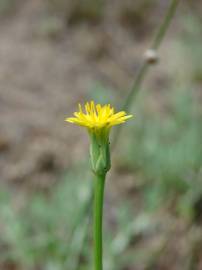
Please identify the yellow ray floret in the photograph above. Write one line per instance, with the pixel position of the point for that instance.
(97, 116)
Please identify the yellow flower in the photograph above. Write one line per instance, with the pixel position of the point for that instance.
(97, 117)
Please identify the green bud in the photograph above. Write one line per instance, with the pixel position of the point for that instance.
(100, 152)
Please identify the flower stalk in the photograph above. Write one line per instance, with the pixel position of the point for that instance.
(97, 220)
(98, 120)
(100, 162)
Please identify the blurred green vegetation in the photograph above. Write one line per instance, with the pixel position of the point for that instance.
(166, 148)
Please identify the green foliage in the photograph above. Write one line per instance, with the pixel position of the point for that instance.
(39, 231)
(167, 149)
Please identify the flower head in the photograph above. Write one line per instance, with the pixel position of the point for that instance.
(96, 117)
(98, 120)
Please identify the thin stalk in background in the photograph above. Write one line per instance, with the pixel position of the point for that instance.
(143, 70)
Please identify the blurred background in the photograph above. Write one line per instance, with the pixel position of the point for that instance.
(56, 53)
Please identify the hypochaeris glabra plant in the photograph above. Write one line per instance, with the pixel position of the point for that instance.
(98, 120)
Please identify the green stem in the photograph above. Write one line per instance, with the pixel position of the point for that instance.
(165, 24)
(97, 224)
